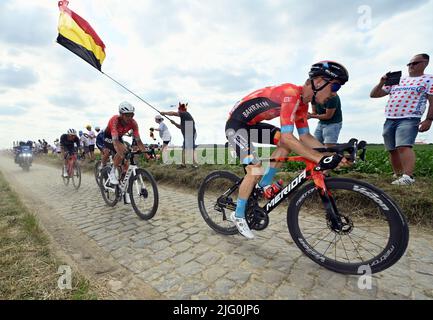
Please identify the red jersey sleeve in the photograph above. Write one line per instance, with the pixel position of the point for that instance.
(112, 127)
(289, 107)
(134, 127)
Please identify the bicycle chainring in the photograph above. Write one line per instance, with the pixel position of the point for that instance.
(257, 218)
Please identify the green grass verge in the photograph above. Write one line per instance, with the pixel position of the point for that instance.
(28, 269)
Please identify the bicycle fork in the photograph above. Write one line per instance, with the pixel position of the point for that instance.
(332, 213)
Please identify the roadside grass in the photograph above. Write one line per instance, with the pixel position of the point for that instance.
(28, 268)
(416, 201)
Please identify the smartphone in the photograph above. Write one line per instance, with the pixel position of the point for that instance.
(393, 78)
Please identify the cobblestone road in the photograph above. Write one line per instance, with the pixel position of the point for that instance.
(179, 256)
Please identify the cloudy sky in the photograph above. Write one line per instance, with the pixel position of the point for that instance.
(205, 52)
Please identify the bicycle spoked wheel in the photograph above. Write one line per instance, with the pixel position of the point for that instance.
(110, 193)
(374, 232)
(217, 199)
(144, 194)
(65, 179)
(76, 176)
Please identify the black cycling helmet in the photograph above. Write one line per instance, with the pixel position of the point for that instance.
(329, 70)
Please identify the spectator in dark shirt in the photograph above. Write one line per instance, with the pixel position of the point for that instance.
(187, 126)
(330, 121)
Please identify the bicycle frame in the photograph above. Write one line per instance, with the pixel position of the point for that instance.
(124, 183)
(306, 175)
(317, 177)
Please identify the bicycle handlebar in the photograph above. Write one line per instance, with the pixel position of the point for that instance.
(352, 147)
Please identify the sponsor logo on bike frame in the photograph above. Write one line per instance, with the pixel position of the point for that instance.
(286, 191)
(124, 183)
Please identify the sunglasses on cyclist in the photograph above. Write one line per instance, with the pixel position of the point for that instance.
(415, 63)
(335, 86)
(129, 115)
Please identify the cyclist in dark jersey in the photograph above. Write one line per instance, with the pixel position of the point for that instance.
(68, 142)
(290, 103)
(117, 127)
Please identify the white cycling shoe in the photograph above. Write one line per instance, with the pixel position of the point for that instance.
(113, 178)
(242, 226)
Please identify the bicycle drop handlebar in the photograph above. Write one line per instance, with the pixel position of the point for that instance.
(352, 147)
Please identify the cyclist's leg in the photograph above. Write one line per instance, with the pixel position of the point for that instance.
(65, 163)
(105, 156)
(238, 137)
(109, 148)
(270, 135)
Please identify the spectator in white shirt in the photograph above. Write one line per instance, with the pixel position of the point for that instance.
(91, 138)
(164, 134)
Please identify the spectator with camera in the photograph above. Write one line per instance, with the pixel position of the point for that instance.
(406, 105)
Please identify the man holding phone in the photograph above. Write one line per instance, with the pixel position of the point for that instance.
(405, 108)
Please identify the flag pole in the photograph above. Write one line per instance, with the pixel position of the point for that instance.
(114, 80)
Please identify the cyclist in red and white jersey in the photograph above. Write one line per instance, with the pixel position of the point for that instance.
(290, 103)
(117, 127)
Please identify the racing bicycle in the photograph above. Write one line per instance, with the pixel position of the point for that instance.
(137, 182)
(340, 223)
(73, 170)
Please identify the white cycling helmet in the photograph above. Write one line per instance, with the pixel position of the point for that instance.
(159, 117)
(126, 107)
(72, 131)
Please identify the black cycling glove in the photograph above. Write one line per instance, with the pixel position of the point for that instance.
(329, 162)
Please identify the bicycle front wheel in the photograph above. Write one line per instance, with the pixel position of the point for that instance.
(374, 234)
(144, 194)
(76, 177)
(217, 197)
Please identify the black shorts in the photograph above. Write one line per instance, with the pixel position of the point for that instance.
(108, 143)
(166, 142)
(91, 147)
(241, 136)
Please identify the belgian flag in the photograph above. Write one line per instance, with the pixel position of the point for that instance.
(76, 35)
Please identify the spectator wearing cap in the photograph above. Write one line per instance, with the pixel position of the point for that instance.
(187, 126)
(164, 134)
(404, 111)
(91, 138)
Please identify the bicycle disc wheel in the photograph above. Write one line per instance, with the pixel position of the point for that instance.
(65, 179)
(217, 197)
(374, 233)
(144, 196)
(110, 193)
(97, 170)
(76, 177)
